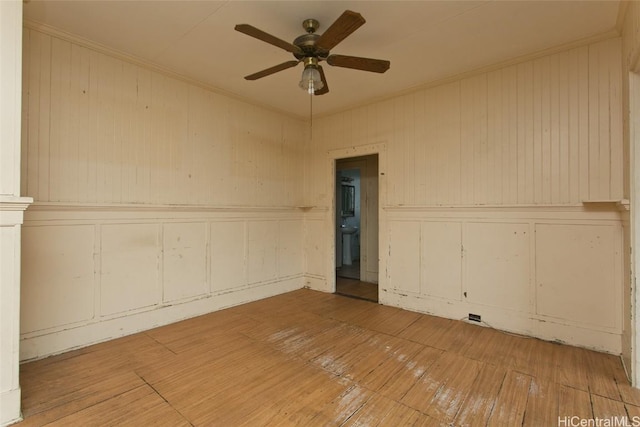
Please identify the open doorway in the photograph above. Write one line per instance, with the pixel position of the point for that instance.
(356, 232)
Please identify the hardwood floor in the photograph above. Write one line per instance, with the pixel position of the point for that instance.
(310, 358)
(357, 289)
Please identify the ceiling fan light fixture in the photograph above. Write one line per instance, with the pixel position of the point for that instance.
(311, 80)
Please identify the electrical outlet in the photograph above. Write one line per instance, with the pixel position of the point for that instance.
(475, 317)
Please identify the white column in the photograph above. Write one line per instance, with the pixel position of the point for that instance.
(12, 207)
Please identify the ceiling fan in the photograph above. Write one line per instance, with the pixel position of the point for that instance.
(312, 48)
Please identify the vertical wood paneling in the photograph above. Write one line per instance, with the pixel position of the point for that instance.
(474, 139)
(81, 90)
(24, 127)
(617, 181)
(42, 120)
(562, 166)
(100, 130)
(502, 136)
(425, 188)
(439, 160)
(583, 108)
(525, 133)
(92, 136)
(546, 131)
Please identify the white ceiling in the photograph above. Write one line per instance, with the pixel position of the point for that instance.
(424, 40)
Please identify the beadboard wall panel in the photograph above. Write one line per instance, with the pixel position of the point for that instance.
(100, 130)
(545, 131)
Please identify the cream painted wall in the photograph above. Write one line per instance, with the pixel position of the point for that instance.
(498, 195)
(156, 200)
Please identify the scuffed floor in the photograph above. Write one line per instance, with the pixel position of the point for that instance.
(309, 358)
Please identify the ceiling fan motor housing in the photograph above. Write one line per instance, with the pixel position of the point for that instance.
(307, 43)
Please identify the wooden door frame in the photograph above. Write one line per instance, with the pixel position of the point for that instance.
(330, 224)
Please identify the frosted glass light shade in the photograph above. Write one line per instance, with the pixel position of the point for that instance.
(311, 80)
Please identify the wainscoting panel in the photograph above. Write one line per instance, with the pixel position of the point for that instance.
(404, 259)
(497, 269)
(184, 260)
(92, 273)
(130, 260)
(58, 277)
(576, 271)
(315, 249)
(290, 253)
(228, 255)
(550, 272)
(440, 261)
(262, 258)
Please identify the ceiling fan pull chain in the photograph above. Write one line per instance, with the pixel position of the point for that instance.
(311, 118)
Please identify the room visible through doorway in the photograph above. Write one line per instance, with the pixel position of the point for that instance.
(356, 233)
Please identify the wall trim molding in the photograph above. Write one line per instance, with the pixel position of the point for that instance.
(60, 212)
(110, 207)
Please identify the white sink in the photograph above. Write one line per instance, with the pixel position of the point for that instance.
(348, 230)
(346, 243)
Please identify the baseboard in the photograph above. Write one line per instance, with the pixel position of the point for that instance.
(49, 344)
(10, 407)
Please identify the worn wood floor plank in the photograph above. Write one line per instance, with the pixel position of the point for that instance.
(542, 405)
(477, 407)
(574, 403)
(512, 400)
(309, 358)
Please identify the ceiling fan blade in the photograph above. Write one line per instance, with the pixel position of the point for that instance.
(325, 88)
(364, 64)
(346, 24)
(272, 70)
(268, 38)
